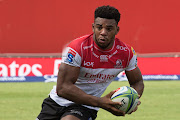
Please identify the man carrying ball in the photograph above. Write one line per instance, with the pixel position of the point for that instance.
(89, 64)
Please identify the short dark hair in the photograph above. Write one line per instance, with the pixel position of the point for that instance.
(107, 12)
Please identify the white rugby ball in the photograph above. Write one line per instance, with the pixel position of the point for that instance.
(128, 96)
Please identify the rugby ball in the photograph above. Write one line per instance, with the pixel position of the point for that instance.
(129, 98)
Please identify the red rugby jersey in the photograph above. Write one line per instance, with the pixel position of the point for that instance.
(98, 67)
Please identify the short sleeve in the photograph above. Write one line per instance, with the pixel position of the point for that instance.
(133, 61)
(71, 57)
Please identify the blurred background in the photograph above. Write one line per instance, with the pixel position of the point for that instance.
(34, 32)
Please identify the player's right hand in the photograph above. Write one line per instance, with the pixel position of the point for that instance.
(107, 104)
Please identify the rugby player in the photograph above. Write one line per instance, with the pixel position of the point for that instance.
(89, 64)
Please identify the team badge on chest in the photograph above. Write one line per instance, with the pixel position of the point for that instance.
(118, 64)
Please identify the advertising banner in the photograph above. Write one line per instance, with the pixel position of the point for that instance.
(157, 68)
(46, 69)
(29, 69)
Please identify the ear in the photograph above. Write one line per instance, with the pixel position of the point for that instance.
(117, 30)
(93, 27)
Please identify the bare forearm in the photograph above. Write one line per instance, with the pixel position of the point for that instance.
(135, 80)
(73, 93)
(139, 87)
(78, 96)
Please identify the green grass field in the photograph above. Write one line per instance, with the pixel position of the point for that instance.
(22, 101)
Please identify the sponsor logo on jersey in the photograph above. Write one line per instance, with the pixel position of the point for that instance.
(103, 58)
(98, 78)
(121, 48)
(118, 64)
(133, 51)
(70, 56)
(88, 63)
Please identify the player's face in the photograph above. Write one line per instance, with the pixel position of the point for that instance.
(104, 32)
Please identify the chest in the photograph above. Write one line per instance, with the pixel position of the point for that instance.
(95, 59)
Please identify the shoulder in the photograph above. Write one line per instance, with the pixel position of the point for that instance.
(72, 53)
(126, 52)
(78, 43)
(126, 48)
